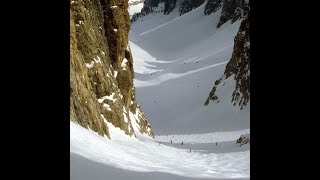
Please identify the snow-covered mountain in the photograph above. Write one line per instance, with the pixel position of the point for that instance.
(181, 57)
(180, 49)
(239, 64)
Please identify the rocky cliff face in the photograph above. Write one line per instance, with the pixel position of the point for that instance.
(243, 139)
(135, 2)
(212, 6)
(228, 9)
(101, 74)
(231, 10)
(151, 6)
(169, 5)
(239, 65)
(188, 5)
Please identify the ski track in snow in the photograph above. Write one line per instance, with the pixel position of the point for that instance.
(175, 71)
(170, 76)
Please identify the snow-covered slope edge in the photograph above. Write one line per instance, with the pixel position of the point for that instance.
(146, 155)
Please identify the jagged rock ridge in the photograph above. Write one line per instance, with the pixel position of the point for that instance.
(239, 64)
(135, 2)
(101, 71)
(243, 139)
(151, 6)
(212, 6)
(231, 10)
(188, 5)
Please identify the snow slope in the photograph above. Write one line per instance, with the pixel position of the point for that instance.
(146, 155)
(176, 61)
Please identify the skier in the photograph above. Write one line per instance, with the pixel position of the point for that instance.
(182, 143)
(171, 141)
(190, 150)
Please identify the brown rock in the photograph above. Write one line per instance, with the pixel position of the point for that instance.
(98, 45)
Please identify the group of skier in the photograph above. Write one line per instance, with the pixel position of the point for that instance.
(182, 143)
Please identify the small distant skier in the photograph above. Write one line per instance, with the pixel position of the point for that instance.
(171, 141)
(182, 143)
(190, 150)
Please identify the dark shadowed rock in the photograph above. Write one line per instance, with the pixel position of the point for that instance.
(212, 6)
(151, 6)
(243, 139)
(188, 5)
(239, 64)
(228, 8)
(231, 10)
(169, 5)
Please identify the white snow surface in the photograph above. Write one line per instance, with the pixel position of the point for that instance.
(115, 74)
(135, 8)
(107, 107)
(146, 155)
(123, 64)
(107, 97)
(176, 61)
(90, 65)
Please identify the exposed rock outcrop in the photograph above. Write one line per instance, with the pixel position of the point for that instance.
(239, 65)
(212, 6)
(101, 74)
(151, 6)
(228, 9)
(188, 5)
(243, 139)
(169, 5)
(135, 2)
(231, 10)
